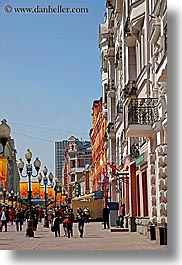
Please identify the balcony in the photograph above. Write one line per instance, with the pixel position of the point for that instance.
(105, 140)
(104, 110)
(118, 62)
(129, 90)
(129, 39)
(103, 32)
(137, 14)
(110, 47)
(111, 88)
(110, 131)
(119, 112)
(155, 30)
(142, 113)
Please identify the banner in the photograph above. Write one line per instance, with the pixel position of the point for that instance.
(87, 184)
(50, 193)
(41, 192)
(35, 189)
(58, 197)
(23, 190)
(3, 172)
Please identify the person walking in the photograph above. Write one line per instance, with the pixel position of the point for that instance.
(81, 220)
(11, 215)
(87, 214)
(4, 217)
(105, 216)
(67, 224)
(122, 214)
(56, 224)
(19, 219)
(72, 217)
(41, 214)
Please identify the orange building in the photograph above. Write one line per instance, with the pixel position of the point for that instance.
(99, 158)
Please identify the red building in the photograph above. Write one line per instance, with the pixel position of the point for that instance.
(97, 134)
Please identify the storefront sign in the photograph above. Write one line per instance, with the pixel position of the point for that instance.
(140, 159)
(87, 182)
(99, 194)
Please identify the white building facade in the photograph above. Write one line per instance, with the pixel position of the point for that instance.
(133, 45)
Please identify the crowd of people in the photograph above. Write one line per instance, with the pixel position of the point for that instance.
(18, 216)
(66, 218)
(56, 217)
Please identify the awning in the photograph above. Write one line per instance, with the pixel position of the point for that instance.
(84, 197)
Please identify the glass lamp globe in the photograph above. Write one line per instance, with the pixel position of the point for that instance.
(5, 130)
(45, 170)
(28, 155)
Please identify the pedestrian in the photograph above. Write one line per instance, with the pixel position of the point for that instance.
(41, 214)
(122, 214)
(19, 219)
(11, 215)
(72, 217)
(67, 224)
(56, 225)
(81, 220)
(4, 217)
(105, 216)
(87, 214)
(35, 218)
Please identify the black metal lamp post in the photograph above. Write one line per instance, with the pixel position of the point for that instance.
(37, 164)
(15, 198)
(45, 181)
(5, 131)
(11, 196)
(56, 190)
(4, 195)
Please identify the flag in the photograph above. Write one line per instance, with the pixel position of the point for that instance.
(113, 168)
(105, 180)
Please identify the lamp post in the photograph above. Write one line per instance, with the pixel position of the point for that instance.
(37, 164)
(56, 190)
(15, 198)
(4, 195)
(11, 197)
(45, 182)
(5, 131)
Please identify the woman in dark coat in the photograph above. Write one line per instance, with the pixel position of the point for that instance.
(81, 220)
(56, 224)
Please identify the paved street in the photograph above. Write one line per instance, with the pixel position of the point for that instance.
(95, 238)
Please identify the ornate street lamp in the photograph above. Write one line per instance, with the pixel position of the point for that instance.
(45, 183)
(4, 195)
(12, 196)
(5, 131)
(56, 190)
(15, 198)
(20, 165)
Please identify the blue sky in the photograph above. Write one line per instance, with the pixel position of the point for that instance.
(49, 74)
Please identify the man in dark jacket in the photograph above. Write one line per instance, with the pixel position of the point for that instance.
(105, 215)
(19, 219)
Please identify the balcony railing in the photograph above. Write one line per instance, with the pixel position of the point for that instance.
(110, 127)
(119, 108)
(111, 89)
(111, 131)
(165, 39)
(111, 85)
(110, 42)
(143, 111)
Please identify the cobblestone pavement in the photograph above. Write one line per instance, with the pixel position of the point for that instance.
(95, 238)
